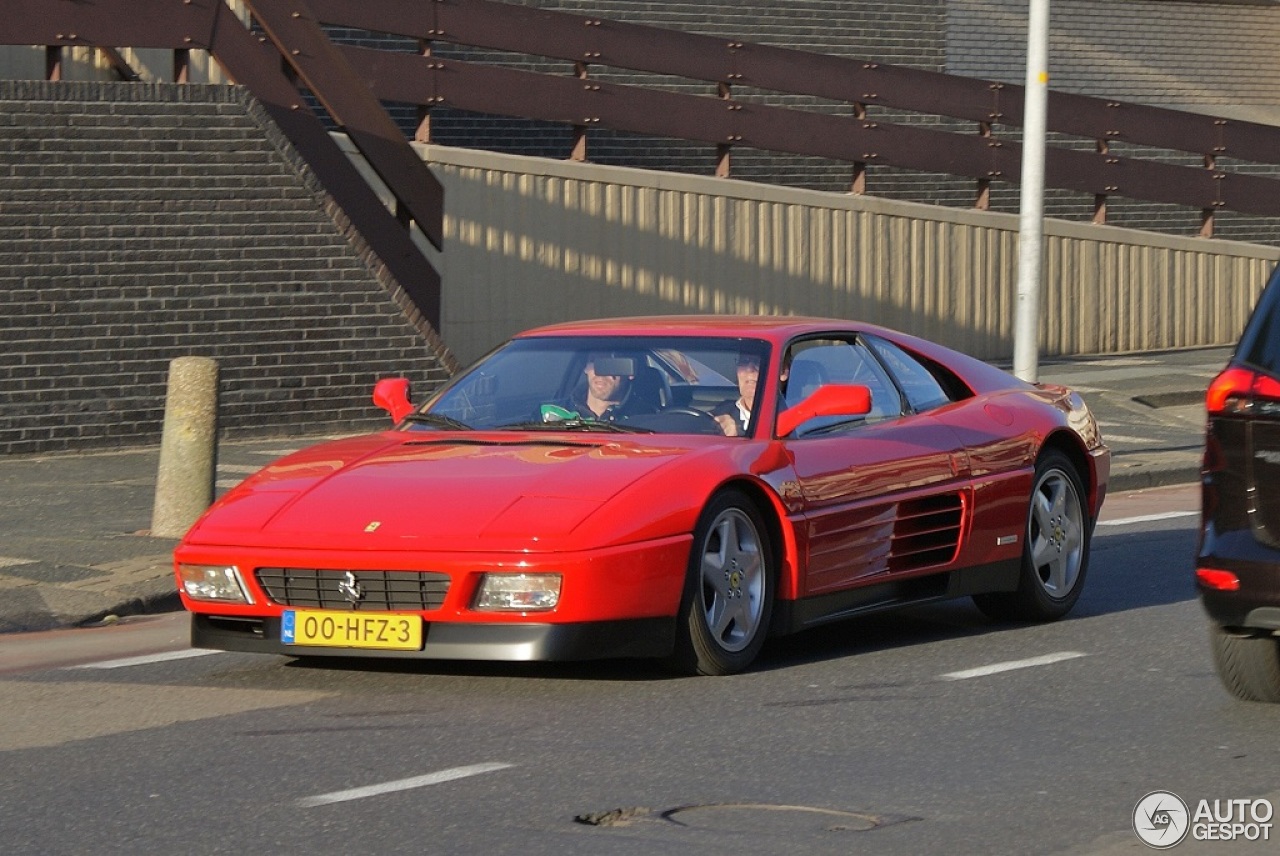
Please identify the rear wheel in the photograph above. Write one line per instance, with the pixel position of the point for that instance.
(1055, 552)
(729, 589)
(1248, 666)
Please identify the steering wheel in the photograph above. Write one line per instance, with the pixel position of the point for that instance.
(706, 423)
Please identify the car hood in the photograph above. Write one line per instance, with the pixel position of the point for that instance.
(426, 491)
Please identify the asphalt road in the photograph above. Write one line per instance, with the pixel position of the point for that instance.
(929, 731)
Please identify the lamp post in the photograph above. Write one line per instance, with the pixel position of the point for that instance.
(1026, 330)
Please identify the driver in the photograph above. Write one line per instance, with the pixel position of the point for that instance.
(607, 393)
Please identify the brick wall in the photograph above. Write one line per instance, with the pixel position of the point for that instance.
(143, 222)
(1205, 57)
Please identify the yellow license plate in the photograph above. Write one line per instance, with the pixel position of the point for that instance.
(388, 631)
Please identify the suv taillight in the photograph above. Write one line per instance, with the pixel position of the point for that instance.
(1237, 389)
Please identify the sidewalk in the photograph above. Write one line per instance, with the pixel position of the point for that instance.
(74, 546)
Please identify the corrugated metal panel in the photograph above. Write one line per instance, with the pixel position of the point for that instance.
(530, 241)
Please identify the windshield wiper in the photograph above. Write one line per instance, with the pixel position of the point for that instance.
(439, 421)
(577, 425)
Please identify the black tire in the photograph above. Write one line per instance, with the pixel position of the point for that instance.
(729, 589)
(1248, 666)
(1055, 548)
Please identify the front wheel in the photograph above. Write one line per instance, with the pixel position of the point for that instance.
(1055, 553)
(1248, 666)
(729, 589)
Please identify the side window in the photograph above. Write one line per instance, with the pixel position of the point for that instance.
(814, 362)
(918, 384)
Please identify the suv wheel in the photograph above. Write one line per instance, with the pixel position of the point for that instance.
(1249, 666)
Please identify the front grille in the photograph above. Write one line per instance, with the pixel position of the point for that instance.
(377, 590)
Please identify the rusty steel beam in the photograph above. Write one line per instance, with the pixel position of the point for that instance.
(170, 24)
(321, 67)
(259, 70)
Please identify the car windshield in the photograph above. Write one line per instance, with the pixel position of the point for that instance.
(632, 384)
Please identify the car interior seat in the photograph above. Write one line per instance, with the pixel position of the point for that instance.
(651, 386)
(804, 378)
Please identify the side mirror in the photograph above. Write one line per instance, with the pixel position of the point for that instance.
(392, 395)
(833, 399)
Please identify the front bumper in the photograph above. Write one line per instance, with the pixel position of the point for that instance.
(589, 640)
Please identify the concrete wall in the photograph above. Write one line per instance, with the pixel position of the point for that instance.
(143, 222)
(530, 241)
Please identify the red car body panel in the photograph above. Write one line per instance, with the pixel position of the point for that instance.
(921, 495)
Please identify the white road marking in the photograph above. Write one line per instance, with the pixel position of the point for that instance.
(1011, 665)
(11, 562)
(1125, 438)
(1148, 518)
(237, 468)
(401, 785)
(124, 662)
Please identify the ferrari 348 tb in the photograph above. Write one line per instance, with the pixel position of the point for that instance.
(678, 488)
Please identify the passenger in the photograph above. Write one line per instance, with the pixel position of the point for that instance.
(734, 417)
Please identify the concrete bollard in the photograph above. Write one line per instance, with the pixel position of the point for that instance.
(188, 446)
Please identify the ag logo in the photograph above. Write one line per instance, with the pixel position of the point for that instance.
(1161, 819)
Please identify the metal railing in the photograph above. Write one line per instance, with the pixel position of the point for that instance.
(290, 49)
(717, 119)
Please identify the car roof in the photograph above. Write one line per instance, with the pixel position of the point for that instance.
(780, 329)
(774, 327)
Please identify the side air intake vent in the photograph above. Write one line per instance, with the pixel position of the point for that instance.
(926, 532)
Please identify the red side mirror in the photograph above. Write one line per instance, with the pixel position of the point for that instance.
(392, 395)
(833, 399)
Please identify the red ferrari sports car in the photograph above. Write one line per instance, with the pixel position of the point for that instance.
(678, 488)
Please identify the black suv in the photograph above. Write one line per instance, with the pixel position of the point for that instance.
(1238, 567)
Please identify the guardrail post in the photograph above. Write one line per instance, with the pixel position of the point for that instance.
(422, 134)
(53, 63)
(182, 66)
(858, 184)
(1100, 199)
(1207, 214)
(188, 446)
(579, 151)
(723, 150)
